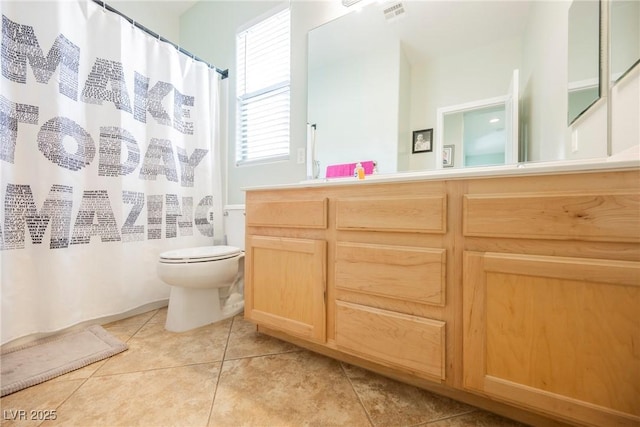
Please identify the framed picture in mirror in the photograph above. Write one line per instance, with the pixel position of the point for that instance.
(448, 153)
(422, 141)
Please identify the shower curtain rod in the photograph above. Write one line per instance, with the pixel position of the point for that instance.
(223, 73)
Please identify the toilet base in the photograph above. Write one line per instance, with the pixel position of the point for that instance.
(191, 308)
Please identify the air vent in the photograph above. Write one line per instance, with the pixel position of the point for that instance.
(392, 10)
(347, 3)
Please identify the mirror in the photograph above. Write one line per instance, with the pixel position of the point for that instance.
(625, 37)
(584, 57)
(373, 81)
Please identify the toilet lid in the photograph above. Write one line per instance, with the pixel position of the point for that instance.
(200, 254)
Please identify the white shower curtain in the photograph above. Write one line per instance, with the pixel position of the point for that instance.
(108, 155)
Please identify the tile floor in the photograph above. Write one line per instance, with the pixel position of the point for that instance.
(227, 374)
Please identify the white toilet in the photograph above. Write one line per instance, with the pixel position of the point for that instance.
(207, 282)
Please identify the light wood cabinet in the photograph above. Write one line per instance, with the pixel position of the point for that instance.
(286, 285)
(551, 295)
(555, 334)
(390, 297)
(517, 294)
(286, 263)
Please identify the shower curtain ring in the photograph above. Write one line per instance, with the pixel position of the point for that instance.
(104, 7)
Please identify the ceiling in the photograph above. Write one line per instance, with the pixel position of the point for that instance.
(427, 29)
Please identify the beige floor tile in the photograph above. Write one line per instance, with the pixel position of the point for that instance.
(170, 379)
(160, 316)
(164, 397)
(245, 341)
(27, 407)
(122, 333)
(130, 325)
(290, 389)
(82, 373)
(391, 403)
(153, 347)
(476, 419)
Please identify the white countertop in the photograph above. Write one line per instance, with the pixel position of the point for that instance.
(630, 159)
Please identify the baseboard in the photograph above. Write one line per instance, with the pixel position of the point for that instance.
(97, 321)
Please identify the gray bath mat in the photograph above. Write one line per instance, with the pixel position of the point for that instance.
(42, 360)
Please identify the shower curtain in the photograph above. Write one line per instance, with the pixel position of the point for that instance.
(109, 155)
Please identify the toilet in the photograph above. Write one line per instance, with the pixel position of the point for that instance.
(207, 282)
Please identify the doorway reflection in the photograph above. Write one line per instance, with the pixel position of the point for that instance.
(478, 135)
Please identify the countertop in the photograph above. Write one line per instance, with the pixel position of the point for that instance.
(630, 159)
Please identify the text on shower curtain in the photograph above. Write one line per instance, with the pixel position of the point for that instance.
(158, 158)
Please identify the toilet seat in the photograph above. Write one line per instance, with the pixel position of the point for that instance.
(199, 254)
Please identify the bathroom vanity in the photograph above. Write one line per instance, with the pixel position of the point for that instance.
(517, 291)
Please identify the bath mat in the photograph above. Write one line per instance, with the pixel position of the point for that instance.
(48, 358)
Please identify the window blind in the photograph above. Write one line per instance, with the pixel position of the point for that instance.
(263, 90)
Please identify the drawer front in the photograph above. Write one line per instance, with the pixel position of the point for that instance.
(404, 214)
(611, 217)
(296, 214)
(398, 272)
(397, 340)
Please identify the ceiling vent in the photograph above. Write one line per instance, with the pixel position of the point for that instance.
(347, 3)
(392, 10)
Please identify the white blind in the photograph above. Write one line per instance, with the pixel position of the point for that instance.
(263, 92)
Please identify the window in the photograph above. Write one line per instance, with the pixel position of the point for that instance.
(263, 91)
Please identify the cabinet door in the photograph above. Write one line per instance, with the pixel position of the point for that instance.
(285, 285)
(559, 335)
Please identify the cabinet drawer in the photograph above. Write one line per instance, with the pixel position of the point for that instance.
(425, 214)
(393, 339)
(602, 216)
(298, 213)
(398, 272)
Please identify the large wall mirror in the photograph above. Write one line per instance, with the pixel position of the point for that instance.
(625, 37)
(374, 81)
(584, 57)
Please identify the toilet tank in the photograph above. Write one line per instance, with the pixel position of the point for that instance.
(234, 225)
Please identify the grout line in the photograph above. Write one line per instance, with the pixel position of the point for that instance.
(224, 354)
(160, 368)
(344, 372)
(448, 417)
(66, 399)
(253, 356)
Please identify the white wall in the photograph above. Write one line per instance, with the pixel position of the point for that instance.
(625, 123)
(160, 17)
